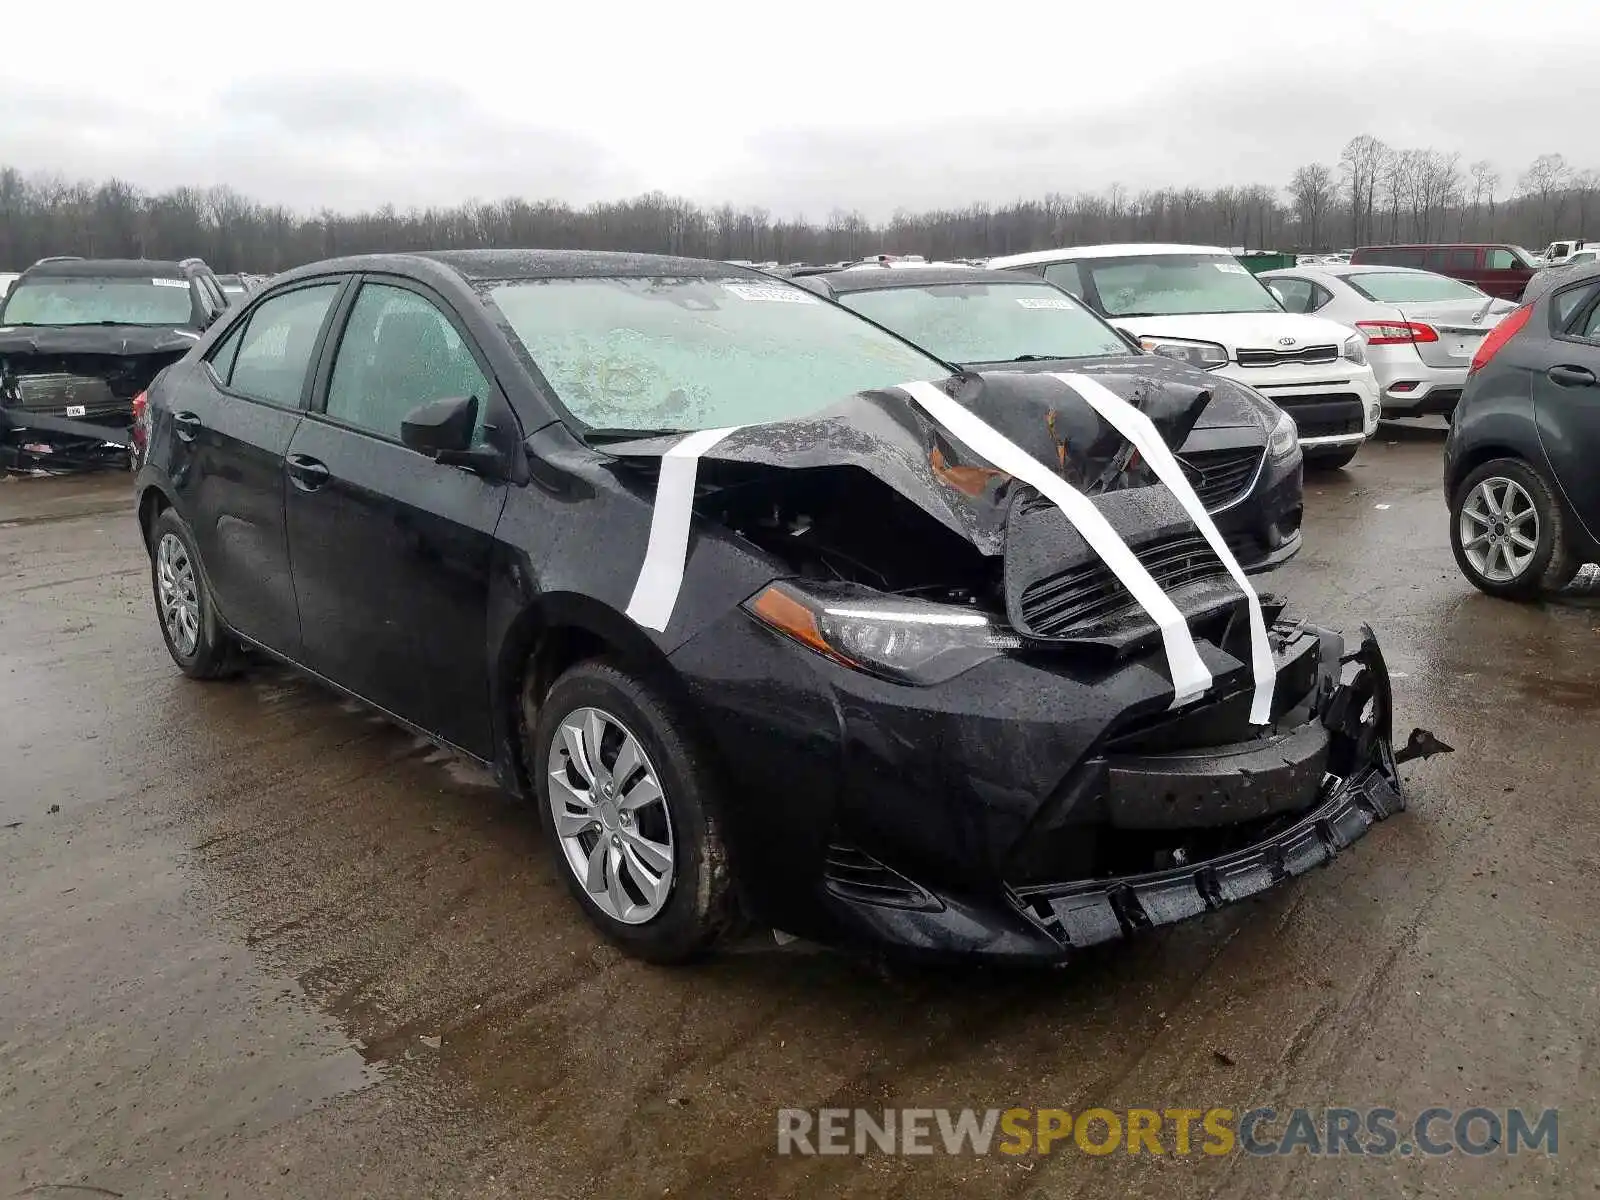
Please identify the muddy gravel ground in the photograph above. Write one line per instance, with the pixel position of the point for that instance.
(255, 941)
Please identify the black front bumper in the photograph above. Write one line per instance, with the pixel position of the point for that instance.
(1017, 814)
(34, 441)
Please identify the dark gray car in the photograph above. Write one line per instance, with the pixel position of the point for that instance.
(1519, 461)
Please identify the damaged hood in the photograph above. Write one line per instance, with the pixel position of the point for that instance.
(126, 341)
(887, 435)
(1232, 405)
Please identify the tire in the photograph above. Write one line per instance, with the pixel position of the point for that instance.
(1551, 565)
(1331, 460)
(697, 908)
(213, 654)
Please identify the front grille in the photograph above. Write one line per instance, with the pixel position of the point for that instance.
(1078, 599)
(1323, 414)
(1220, 477)
(61, 394)
(854, 874)
(1278, 358)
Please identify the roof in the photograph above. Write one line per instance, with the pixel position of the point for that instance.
(108, 267)
(1127, 250)
(929, 276)
(1340, 270)
(555, 264)
(1552, 279)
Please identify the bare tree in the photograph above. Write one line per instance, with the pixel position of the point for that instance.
(1360, 162)
(1485, 181)
(1547, 178)
(1312, 190)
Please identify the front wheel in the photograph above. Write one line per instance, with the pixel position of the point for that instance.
(195, 638)
(1507, 529)
(1331, 460)
(629, 803)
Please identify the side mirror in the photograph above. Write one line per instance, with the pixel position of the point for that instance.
(443, 431)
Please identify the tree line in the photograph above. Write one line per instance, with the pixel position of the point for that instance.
(1374, 193)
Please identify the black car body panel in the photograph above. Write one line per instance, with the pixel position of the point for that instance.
(972, 816)
(1255, 499)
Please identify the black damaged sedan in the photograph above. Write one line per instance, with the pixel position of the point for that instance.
(690, 558)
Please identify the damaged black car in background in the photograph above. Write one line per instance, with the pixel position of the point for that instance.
(774, 617)
(80, 339)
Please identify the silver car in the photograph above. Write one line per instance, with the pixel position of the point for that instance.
(1422, 329)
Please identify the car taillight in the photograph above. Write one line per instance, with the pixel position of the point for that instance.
(1396, 333)
(1499, 336)
(141, 418)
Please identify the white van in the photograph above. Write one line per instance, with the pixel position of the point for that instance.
(1200, 305)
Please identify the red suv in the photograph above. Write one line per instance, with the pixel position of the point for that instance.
(1498, 268)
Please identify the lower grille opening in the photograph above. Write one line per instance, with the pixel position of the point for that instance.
(853, 874)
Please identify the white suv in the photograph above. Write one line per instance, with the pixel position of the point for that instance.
(1198, 304)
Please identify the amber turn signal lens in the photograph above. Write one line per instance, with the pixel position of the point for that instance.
(780, 610)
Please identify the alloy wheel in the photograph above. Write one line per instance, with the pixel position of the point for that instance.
(611, 815)
(1499, 529)
(178, 593)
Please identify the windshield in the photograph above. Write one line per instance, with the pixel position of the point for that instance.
(1410, 287)
(681, 354)
(88, 300)
(990, 322)
(1159, 285)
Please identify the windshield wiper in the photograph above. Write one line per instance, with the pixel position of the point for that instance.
(1040, 357)
(592, 436)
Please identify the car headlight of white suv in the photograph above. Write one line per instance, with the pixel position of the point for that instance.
(1208, 356)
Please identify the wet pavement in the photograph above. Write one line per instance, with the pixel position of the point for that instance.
(255, 941)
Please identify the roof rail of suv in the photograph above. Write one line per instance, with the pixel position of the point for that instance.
(59, 258)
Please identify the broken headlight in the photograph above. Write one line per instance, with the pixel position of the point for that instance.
(894, 637)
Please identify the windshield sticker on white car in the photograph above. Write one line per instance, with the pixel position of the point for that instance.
(1231, 268)
(1138, 429)
(1045, 302)
(655, 594)
(1190, 677)
(174, 283)
(774, 295)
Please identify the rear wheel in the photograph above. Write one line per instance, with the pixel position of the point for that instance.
(195, 638)
(628, 801)
(1331, 460)
(1508, 531)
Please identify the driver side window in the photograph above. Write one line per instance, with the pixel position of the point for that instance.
(1500, 260)
(398, 352)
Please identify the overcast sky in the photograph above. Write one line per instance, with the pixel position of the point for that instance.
(800, 107)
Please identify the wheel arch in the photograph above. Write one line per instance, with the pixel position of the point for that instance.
(546, 637)
(153, 501)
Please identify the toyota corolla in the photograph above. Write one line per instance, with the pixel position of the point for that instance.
(775, 617)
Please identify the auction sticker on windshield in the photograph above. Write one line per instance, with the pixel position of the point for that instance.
(1231, 268)
(776, 295)
(1045, 302)
(174, 283)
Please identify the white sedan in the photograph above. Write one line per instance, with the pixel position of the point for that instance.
(1422, 329)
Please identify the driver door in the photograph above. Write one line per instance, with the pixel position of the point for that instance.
(390, 551)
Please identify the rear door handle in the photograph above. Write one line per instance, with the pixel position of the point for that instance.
(1571, 376)
(306, 472)
(187, 426)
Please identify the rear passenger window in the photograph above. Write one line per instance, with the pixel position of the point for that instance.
(276, 348)
(1066, 277)
(1294, 294)
(1461, 260)
(399, 351)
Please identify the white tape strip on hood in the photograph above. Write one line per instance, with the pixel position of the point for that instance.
(655, 594)
(1190, 678)
(1141, 431)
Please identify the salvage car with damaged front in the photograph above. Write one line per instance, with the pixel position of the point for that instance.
(80, 339)
(774, 618)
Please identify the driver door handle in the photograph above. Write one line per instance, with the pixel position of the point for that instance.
(307, 473)
(186, 425)
(1571, 376)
